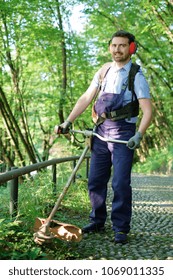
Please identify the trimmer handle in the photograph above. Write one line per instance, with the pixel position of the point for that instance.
(61, 130)
(92, 133)
(58, 129)
(131, 145)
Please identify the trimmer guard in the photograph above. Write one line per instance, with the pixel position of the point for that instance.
(62, 231)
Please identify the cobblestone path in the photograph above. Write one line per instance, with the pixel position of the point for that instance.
(151, 235)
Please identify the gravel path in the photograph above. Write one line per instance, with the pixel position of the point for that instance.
(151, 235)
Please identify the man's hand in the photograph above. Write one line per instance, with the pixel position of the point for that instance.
(63, 128)
(134, 141)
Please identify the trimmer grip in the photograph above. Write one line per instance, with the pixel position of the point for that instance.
(61, 130)
(58, 129)
(131, 145)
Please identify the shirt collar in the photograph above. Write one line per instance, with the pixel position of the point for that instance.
(126, 67)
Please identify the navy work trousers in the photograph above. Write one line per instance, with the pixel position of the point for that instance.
(106, 156)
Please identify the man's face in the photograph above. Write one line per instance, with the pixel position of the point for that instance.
(119, 49)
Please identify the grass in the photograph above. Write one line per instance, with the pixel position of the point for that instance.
(36, 199)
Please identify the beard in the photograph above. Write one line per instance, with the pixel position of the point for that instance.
(120, 57)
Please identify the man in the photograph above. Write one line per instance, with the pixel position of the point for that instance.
(114, 95)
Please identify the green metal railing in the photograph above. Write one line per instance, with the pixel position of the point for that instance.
(14, 174)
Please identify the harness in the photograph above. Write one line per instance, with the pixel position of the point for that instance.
(129, 110)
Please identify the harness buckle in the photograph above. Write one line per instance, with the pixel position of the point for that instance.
(113, 114)
(103, 115)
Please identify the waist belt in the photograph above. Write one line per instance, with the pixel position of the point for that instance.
(126, 112)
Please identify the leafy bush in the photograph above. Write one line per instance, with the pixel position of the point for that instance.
(157, 162)
(36, 199)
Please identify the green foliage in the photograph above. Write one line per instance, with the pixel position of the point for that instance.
(36, 199)
(15, 242)
(157, 162)
(47, 65)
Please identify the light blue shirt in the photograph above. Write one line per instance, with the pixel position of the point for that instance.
(114, 80)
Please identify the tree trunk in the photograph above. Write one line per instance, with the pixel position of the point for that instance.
(14, 127)
(64, 65)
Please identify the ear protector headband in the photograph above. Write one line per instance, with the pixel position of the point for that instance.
(132, 48)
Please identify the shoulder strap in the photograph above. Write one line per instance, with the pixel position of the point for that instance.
(133, 70)
(104, 71)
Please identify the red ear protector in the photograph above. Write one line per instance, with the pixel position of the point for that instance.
(132, 48)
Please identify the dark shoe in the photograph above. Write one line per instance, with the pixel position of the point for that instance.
(121, 237)
(93, 227)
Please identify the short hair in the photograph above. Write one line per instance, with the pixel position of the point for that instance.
(122, 33)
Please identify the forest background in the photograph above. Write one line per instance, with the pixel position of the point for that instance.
(48, 56)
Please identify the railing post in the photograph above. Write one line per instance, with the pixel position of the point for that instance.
(74, 164)
(54, 178)
(13, 196)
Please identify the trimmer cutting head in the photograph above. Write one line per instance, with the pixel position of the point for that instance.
(46, 232)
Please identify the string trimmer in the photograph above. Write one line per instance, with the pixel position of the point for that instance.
(47, 229)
